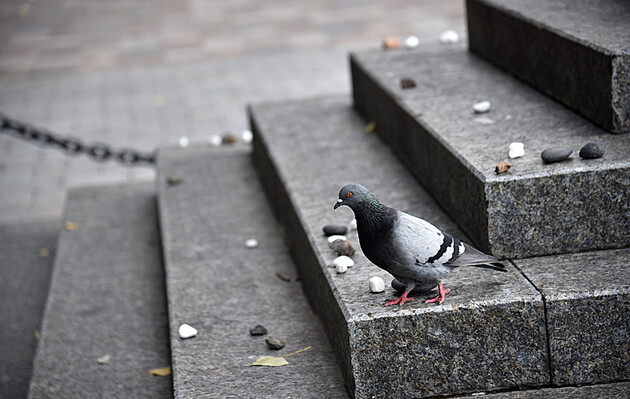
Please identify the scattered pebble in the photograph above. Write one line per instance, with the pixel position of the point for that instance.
(104, 359)
(251, 243)
(274, 343)
(184, 142)
(335, 230)
(343, 248)
(258, 330)
(406, 83)
(555, 154)
(334, 238)
(228, 138)
(391, 42)
(173, 180)
(412, 41)
(377, 284)
(484, 120)
(516, 150)
(247, 136)
(449, 37)
(186, 331)
(481, 107)
(343, 261)
(353, 224)
(502, 167)
(592, 151)
(215, 140)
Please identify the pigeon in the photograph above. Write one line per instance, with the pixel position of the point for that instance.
(414, 251)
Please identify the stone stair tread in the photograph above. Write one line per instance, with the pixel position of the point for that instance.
(539, 41)
(432, 128)
(305, 152)
(107, 296)
(616, 390)
(223, 289)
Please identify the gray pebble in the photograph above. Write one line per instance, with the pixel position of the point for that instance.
(258, 330)
(555, 154)
(335, 229)
(274, 343)
(592, 151)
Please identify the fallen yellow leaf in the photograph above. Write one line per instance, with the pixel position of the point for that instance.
(70, 226)
(43, 252)
(270, 361)
(36, 333)
(370, 127)
(161, 371)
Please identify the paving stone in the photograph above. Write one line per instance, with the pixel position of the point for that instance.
(587, 300)
(489, 334)
(107, 296)
(535, 208)
(574, 51)
(222, 288)
(605, 391)
(27, 251)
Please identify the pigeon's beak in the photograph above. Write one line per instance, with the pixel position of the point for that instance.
(338, 203)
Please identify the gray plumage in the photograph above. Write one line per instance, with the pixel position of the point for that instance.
(414, 251)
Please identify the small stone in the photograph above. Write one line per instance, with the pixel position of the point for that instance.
(184, 142)
(251, 243)
(215, 140)
(173, 180)
(449, 37)
(258, 330)
(247, 136)
(274, 343)
(481, 107)
(412, 41)
(353, 224)
(555, 154)
(341, 268)
(484, 120)
(104, 359)
(592, 151)
(344, 261)
(228, 138)
(334, 238)
(377, 284)
(343, 248)
(502, 167)
(406, 83)
(335, 230)
(516, 150)
(391, 42)
(186, 331)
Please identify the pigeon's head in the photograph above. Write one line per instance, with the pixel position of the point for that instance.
(352, 195)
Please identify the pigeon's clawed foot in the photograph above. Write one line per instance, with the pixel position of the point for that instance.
(400, 300)
(439, 298)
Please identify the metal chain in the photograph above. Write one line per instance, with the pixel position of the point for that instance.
(98, 151)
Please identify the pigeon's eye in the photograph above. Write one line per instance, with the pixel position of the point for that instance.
(349, 195)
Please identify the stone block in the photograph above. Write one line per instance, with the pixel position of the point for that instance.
(574, 51)
(489, 333)
(534, 208)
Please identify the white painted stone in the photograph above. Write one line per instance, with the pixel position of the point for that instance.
(449, 37)
(215, 140)
(343, 260)
(247, 136)
(183, 142)
(412, 42)
(516, 150)
(482, 107)
(353, 224)
(377, 284)
(186, 331)
(334, 238)
(341, 268)
(251, 243)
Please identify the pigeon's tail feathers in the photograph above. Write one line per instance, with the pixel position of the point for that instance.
(474, 257)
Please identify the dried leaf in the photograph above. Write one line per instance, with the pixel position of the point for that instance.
(161, 371)
(71, 226)
(370, 127)
(270, 361)
(36, 333)
(43, 252)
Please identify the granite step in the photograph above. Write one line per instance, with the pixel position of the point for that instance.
(618, 390)
(533, 209)
(211, 207)
(27, 251)
(488, 335)
(576, 51)
(107, 297)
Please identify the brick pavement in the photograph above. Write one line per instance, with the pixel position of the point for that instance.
(139, 74)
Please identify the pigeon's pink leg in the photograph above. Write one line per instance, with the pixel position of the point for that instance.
(440, 296)
(401, 299)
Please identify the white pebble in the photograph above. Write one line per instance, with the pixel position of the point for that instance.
(215, 140)
(247, 136)
(412, 42)
(334, 238)
(377, 284)
(251, 243)
(484, 120)
(481, 107)
(516, 150)
(183, 141)
(449, 37)
(343, 260)
(104, 359)
(186, 331)
(340, 268)
(353, 224)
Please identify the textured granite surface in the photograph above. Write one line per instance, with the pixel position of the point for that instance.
(107, 296)
(587, 298)
(488, 334)
(534, 208)
(576, 51)
(25, 277)
(223, 289)
(617, 390)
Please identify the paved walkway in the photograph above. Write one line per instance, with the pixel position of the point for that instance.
(142, 74)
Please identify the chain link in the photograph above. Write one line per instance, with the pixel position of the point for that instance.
(98, 151)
